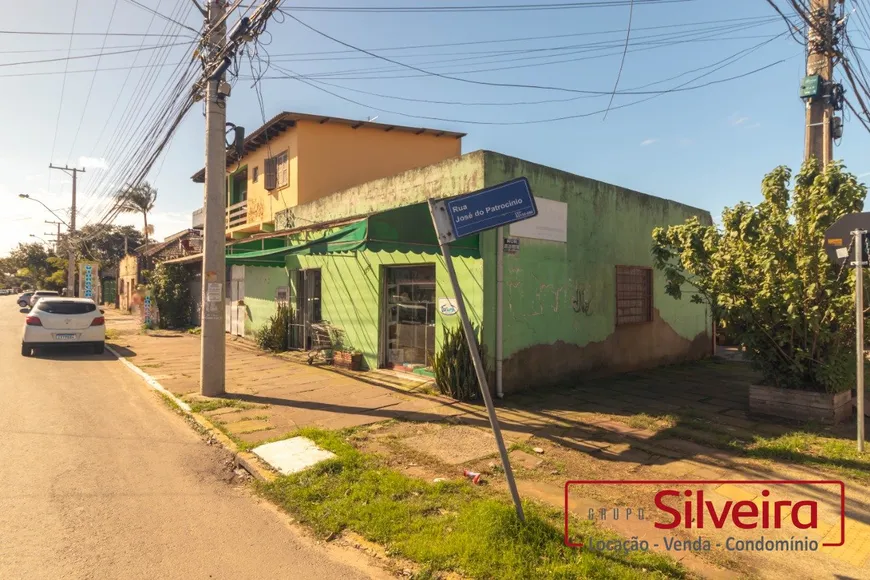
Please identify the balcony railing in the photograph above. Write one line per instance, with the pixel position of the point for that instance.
(237, 214)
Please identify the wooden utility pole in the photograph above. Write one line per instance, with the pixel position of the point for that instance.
(816, 90)
(71, 255)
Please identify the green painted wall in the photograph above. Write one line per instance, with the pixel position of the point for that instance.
(260, 286)
(351, 287)
(607, 226)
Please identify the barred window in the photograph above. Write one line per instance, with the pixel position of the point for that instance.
(633, 295)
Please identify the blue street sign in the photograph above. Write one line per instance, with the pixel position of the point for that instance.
(492, 207)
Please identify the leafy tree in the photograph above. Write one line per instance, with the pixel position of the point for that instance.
(170, 283)
(138, 199)
(105, 243)
(32, 265)
(766, 274)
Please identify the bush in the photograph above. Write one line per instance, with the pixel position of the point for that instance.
(275, 335)
(766, 276)
(170, 284)
(454, 370)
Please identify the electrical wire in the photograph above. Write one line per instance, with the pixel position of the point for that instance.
(622, 60)
(91, 86)
(161, 15)
(96, 55)
(481, 8)
(62, 90)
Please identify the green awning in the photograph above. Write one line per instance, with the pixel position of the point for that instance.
(405, 229)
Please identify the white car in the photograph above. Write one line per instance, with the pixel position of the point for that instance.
(41, 294)
(57, 321)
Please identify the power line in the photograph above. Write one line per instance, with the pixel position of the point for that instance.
(97, 55)
(480, 8)
(47, 33)
(62, 90)
(161, 15)
(453, 78)
(654, 94)
(93, 78)
(622, 60)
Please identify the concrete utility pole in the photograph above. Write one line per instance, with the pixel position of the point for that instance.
(71, 256)
(819, 137)
(213, 353)
(57, 235)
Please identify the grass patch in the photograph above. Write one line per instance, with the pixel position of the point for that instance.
(651, 422)
(447, 526)
(111, 334)
(203, 406)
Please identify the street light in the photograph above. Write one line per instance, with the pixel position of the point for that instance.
(26, 196)
(38, 238)
(71, 260)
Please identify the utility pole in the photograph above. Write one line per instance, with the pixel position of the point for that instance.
(71, 255)
(822, 96)
(213, 344)
(57, 235)
(218, 49)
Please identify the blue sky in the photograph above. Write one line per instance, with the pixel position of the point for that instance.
(708, 147)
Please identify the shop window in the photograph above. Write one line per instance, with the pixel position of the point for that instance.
(633, 295)
(410, 316)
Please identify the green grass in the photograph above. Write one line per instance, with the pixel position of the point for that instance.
(446, 526)
(651, 422)
(203, 406)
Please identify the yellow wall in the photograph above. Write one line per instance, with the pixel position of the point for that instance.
(329, 157)
(336, 156)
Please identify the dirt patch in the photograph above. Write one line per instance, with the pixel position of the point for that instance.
(455, 444)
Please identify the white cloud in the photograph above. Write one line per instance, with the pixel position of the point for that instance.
(647, 142)
(93, 162)
(863, 174)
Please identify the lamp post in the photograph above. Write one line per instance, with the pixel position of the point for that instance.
(38, 238)
(71, 260)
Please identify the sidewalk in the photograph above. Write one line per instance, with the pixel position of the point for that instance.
(677, 423)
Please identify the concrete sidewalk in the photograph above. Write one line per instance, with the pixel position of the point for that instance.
(271, 396)
(603, 429)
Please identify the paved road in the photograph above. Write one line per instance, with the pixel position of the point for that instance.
(98, 479)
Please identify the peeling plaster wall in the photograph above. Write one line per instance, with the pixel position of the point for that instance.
(451, 177)
(560, 298)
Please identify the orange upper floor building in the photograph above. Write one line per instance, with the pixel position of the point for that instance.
(297, 158)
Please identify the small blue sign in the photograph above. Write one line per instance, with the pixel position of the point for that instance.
(492, 207)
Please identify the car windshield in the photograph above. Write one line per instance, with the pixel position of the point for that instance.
(46, 293)
(65, 307)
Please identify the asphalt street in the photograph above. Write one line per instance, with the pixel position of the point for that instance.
(99, 479)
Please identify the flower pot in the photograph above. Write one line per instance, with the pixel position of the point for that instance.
(800, 405)
(347, 360)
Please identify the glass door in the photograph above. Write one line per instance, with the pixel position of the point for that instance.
(410, 317)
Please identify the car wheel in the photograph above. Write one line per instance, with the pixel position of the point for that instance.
(22, 304)
(100, 348)
(26, 350)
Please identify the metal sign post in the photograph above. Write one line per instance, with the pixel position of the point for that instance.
(462, 216)
(838, 248)
(858, 237)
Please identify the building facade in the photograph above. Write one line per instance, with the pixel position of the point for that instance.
(569, 293)
(297, 158)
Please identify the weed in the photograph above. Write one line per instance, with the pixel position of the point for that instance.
(204, 406)
(448, 526)
(651, 422)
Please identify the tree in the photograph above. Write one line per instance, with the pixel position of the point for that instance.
(138, 199)
(105, 243)
(33, 266)
(766, 274)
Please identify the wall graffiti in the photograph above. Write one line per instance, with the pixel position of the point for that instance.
(580, 304)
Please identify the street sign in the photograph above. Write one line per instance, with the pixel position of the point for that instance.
(839, 237)
(488, 208)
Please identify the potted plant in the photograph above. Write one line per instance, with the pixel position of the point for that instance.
(765, 274)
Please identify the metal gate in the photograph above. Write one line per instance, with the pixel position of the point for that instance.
(236, 312)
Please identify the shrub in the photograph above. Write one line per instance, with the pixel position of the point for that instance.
(275, 335)
(454, 370)
(170, 284)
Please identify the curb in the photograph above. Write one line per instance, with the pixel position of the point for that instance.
(248, 461)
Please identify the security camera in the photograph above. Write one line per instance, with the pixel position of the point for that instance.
(224, 89)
